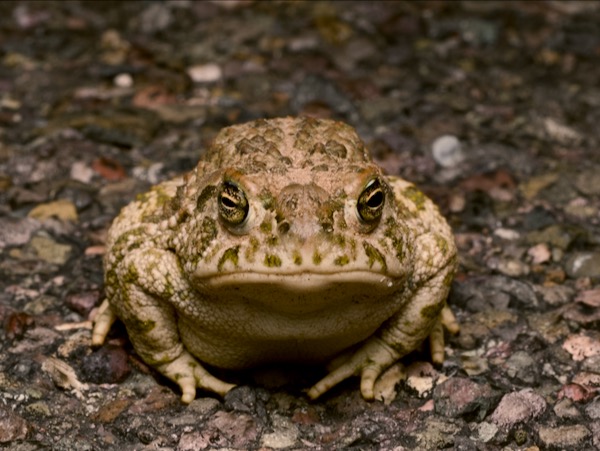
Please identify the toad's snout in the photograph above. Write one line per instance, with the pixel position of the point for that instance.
(302, 211)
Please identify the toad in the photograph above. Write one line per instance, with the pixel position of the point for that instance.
(286, 243)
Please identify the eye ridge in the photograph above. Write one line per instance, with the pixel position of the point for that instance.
(370, 202)
(233, 204)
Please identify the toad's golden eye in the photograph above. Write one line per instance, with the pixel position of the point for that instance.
(233, 204)
(370, 202)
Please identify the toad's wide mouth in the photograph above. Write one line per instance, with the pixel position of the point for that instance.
(306, 280)
(299, 293)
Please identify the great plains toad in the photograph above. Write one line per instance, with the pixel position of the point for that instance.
(285, 243)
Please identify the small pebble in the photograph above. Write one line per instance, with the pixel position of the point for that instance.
(564, 437)
(62, 209)
(518, 407)
(460, 396)
(12, 426)
(507, 234)
(582, 346)
(583, 264)
(123, 81)
(48, 250)
(593, 410)
(81, 172)
(540, 253)
(284, 434)
(203, 406)
(447, 151)
(486, 431)
(205, 73)
(522, 367)
(565, 408)
(588, 182)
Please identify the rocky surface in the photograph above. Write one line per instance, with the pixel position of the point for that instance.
(491, 107)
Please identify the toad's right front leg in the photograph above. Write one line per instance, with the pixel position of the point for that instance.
(146, 285)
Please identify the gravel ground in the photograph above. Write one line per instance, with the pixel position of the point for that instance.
(491, 107)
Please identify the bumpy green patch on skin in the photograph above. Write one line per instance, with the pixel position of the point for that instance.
(272, 240)
(352, 245)
(142, 327)
(110, 278)
(267, 200)
(297, 258)
(209, 232)
(131, 275)
(272, 261)
(266, 226)
(130, 240)
(206, 194)
(432, 311)
(251, 250)
(442, 244)
(317, 258)
(143, 198)
(230, 254)
(374, 256)
(254, 243)
(449, 277)
(162, 196)
(416, 196)
(205, 234)
(342, 260)
(169, 290)
(339, 239)
(163, 204)
(391, 233)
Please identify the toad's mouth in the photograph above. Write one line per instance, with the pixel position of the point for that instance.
(299, 293)
(306, 280)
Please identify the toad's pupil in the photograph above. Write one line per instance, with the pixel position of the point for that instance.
(375, 200)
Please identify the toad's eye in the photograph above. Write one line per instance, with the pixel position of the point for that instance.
(233, 204)
(370, 202)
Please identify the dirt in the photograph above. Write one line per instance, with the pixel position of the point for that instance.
(492, 108)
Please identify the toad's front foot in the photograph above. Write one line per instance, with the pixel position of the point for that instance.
(374, 358)
(184, 369)
(370, 361)
(187, 372)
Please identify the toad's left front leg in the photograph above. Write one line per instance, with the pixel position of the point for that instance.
(401, 334)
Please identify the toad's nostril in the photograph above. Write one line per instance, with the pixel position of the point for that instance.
(283, 226)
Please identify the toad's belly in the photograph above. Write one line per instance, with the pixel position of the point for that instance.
(235, 331)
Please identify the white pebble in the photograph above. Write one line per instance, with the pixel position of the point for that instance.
(205, 73)
(81, 172)
(540, 253)
(447, 151)
(507, 234)
(123, 81)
